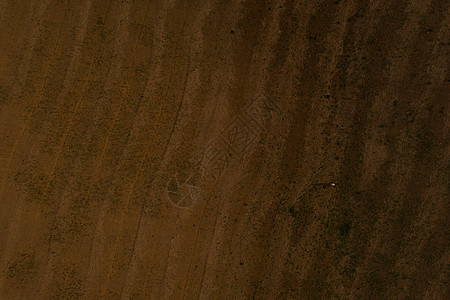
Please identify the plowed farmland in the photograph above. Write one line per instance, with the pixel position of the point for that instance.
(208, 149)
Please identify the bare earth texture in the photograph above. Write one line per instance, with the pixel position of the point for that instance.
(184, 149)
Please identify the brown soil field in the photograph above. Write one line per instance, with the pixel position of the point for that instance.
(211, 149)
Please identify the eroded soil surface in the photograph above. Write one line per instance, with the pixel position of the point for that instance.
(186, 149)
